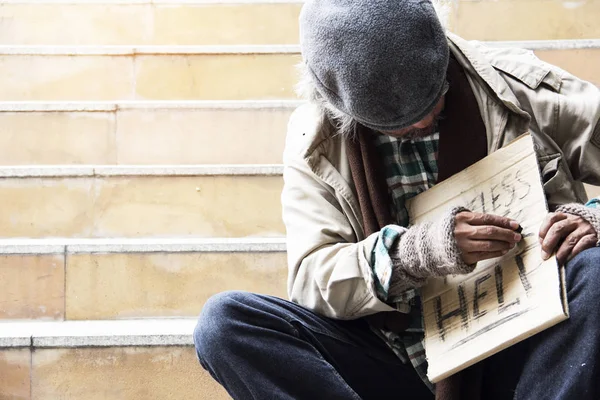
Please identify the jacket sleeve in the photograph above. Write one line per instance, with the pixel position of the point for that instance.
(329, 267)
(329, 270)
(577, 127)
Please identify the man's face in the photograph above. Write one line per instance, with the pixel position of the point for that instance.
(424, 127)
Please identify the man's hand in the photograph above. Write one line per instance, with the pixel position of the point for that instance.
(572, 233)
(484, 236)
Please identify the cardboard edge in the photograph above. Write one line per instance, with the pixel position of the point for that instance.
(563, 289)
(497, 349)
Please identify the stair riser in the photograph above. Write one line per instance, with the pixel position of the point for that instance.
(130, 285)
(15, 368)
(141, 206)
(196, 24)
(169, 136)
(148, 77)
(144, 136)
(185, 77)
(512, 20)
(583, 63)
(32, 287)
(118, 286)
(133, 373)
(161, 24)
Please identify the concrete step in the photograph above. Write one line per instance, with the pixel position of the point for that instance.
(141, 201)
(105, 279)
(51, 73)
(98, 360)
(146, 132)
(116, 73)
(199, 22)
(143, 133)
(512, 20)
(150, 22)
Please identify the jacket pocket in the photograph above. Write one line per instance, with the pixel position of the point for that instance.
(524, 66)
(559, 185)
(550, 166)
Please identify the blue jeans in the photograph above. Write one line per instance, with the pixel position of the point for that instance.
(261, 347)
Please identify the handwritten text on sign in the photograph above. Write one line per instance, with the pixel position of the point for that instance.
(505, 300)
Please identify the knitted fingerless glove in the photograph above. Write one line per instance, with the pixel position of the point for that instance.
(591, 215)
(427, 250)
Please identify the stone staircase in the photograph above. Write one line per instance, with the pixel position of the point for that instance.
(140, 152)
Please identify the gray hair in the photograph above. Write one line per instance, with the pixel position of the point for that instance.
(344, 124)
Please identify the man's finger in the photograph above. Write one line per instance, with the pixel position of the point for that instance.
(472, 258)
(550, 220)
(555, 235)
(586, 242)
(490, 232)
(564, 252)
(487, 246)
(490, 219)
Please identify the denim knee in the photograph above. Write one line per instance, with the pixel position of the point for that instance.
(587, 263)
(214, 327)
(583, 279)
(589, 257)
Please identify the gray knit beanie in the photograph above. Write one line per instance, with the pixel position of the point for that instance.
(382, 62)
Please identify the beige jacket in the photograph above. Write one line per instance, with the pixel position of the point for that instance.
(328, 253)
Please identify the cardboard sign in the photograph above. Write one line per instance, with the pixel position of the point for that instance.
(505, 300)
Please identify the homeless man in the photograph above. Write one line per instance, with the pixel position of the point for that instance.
(397, 105)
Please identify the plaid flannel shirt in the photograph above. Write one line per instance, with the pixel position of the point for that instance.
(411, 168)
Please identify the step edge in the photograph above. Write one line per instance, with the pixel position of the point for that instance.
(49, 171)
(556, 44)
(150, 2)
(28, 249)
(113, 341)
(75, 171)
(116, 106)
(190, 170)
(109, 333)
(15, 342)
(140, 245)
(127, 50)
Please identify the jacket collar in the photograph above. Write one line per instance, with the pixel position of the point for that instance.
(478, 66)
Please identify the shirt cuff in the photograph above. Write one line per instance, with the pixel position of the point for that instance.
(593, 203)
(382, 266)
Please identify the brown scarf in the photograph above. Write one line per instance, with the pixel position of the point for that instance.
(463, 142)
